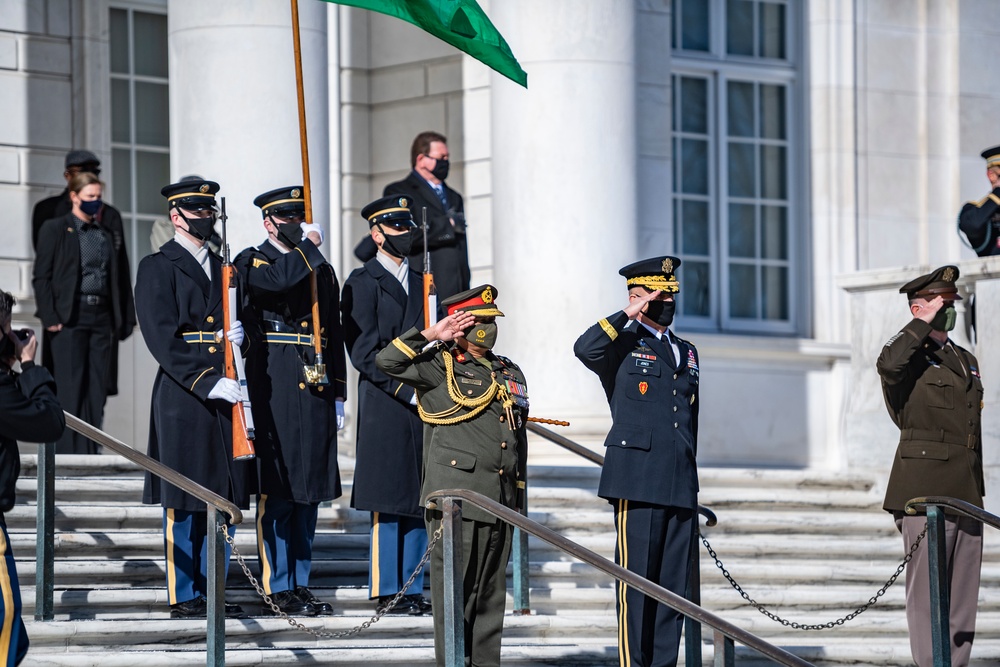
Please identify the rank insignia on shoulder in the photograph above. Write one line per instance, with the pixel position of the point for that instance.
(459, 356)
(893, 339)
(643, 388)
(258, 262)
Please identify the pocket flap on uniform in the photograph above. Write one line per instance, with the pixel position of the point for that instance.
(455, 458)
(937, 451)
(629, 437)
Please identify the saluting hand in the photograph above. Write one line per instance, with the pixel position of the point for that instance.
(637, 303)
(451, 327)
(927, 310)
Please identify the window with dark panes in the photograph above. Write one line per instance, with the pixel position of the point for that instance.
(140, 122)
(735, 98)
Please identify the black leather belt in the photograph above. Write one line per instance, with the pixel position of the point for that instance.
(93, 299)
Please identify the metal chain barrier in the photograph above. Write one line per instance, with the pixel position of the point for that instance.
(224, 529)
(822, 626)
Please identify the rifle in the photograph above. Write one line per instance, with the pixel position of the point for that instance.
(243, 430)
(430, 291)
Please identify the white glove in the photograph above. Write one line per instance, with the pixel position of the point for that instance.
(235, 334)
(227, 390)
(313, 227)
(340, 415)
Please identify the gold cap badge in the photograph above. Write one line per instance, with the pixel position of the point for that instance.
(296, 193)
(204, 188)
(403, 202)
(668, 265)
(949, 275)
(487, 295)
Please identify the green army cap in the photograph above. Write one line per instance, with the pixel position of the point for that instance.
(940, 282)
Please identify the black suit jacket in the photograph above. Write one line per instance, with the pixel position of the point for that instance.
(57, 278)
(447, 242)
(45, 210)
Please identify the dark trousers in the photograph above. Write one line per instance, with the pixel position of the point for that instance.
(398, 543)
(285, 532)
(15, 644)
(654, 541)
(185, 545)
(485, 552)
(81, 360)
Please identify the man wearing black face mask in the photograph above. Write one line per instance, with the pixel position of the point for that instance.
(651, 379)
(297, 423)
(381, 300)
(425, 187)
(934, 394)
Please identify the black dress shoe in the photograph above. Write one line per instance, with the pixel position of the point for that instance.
(195, 608)
(404, 606)
(289, 602)
(235, 611)
(422, 604)
(316, 607)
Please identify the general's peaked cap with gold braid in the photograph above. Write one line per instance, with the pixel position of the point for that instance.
(478, 301)
(193, 194)
(282, 201)
(655, 273)
(940, 282)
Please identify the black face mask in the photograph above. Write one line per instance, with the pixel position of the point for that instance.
(289, 233)
(661, 312)
(200, 228)
(440, 170)
(399, 245)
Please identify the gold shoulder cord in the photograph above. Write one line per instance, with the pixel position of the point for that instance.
(474, 405)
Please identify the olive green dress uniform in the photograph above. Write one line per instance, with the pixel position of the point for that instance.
(934, 394)
(475, 439)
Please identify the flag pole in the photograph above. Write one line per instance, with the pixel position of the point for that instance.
(315, 374)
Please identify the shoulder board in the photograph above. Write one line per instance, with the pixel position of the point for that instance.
(507, 362)
(685, 341)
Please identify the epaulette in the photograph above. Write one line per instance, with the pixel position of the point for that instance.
(507, 362)
(990, 197)
(682, 340)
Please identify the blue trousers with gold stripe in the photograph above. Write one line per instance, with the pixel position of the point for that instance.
(654, 541)
(397, 545)
(185, 539)
(285, 531)
(13, 637)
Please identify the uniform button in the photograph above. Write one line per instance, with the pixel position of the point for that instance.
(493, 375)
(302, 385)
(319, 388)
(675, 392)
(501, 472)
(305, 324)
(675, 376)
(503, 445)
(469, 392)
(675, 424)
(624, 443)
(454, 462)
(212, 349)
(502, 419)
(209, 319)
(923, 453)
(644, 371)
(675, 408)
(322, 330)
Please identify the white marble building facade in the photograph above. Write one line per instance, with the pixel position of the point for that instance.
(794, 153)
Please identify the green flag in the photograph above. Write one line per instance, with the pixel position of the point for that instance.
(461, 23)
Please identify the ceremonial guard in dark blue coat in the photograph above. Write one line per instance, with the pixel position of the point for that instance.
(980, 220)
(381, 300)
(651, 379)
(179, 306)
(297, 413)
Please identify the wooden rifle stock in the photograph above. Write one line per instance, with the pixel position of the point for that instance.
(243, 430)
(430, 291)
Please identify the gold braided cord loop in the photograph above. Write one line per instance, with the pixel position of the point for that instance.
(475, 406)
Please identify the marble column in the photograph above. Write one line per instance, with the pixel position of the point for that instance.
(233, 113)
(564, 191)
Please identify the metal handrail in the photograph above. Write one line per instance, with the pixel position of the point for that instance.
(216, 507)
(153, 466)
(662, 595)
(957, 506)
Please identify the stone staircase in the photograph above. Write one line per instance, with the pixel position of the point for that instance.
(811, 546)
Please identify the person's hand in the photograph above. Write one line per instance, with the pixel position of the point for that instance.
(451, 327)
(227, 390)
(25, 351)
(54, 328)
(314, 232)
(636, 305)
(928, 310)
(340, 414)
(235, 333)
